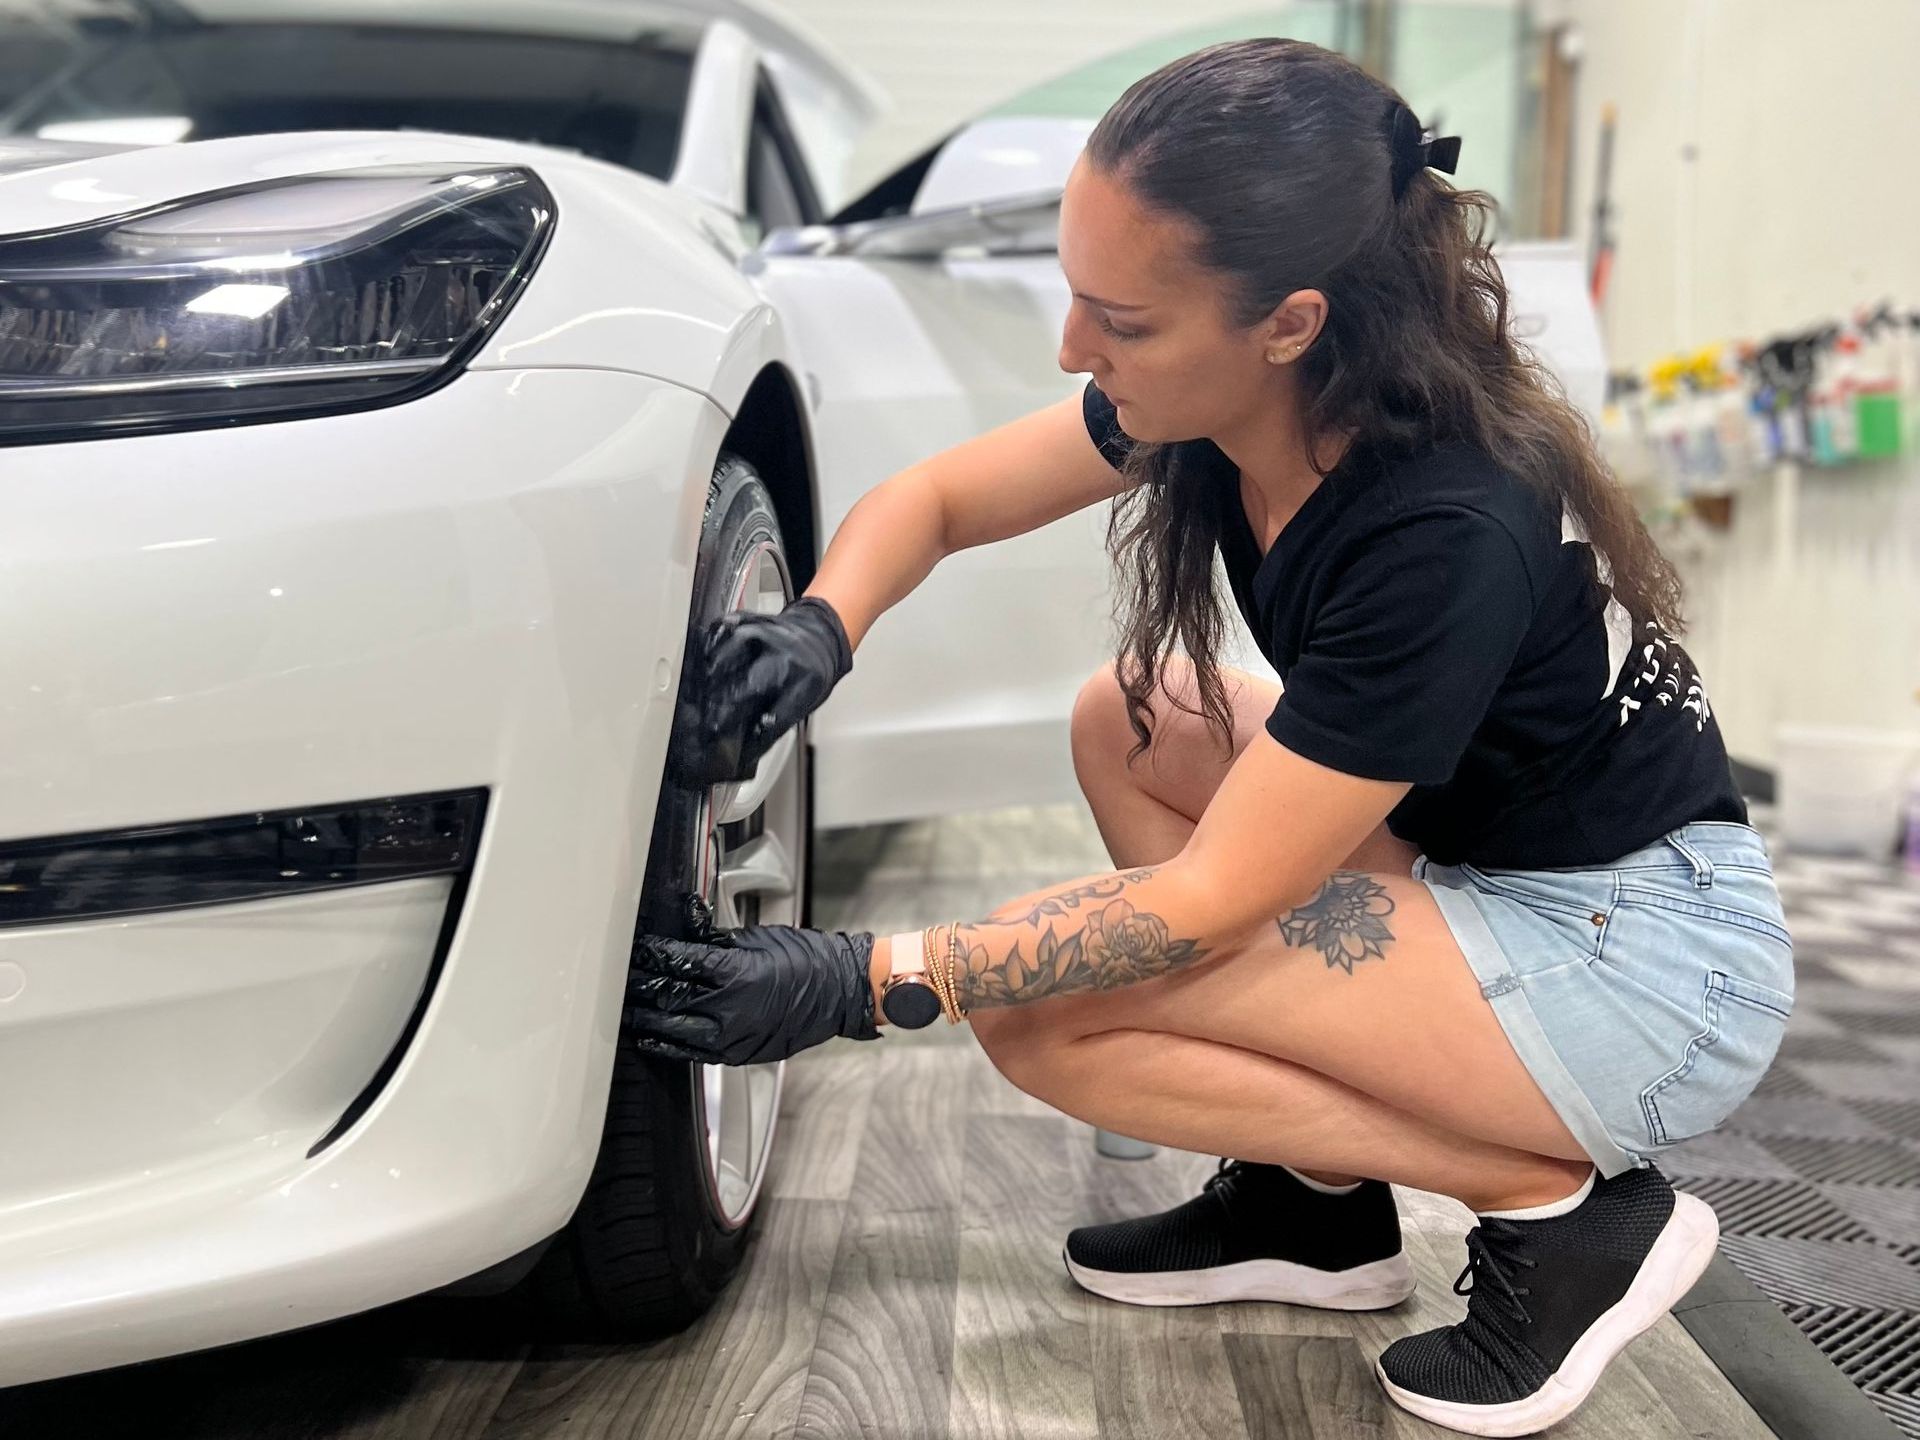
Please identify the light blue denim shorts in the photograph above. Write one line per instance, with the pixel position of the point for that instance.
(1647, 997)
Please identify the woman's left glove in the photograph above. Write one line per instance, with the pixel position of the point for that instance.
(748, 996)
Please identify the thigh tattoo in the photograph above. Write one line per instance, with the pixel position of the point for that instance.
(1346, 922)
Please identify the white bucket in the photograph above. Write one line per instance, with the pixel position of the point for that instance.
(1841, 790)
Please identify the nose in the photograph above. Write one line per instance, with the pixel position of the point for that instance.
(1075, 356)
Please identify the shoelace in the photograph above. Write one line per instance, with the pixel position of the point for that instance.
(1223, 1180)
(1494, 1252)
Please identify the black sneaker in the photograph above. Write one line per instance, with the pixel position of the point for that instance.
(1254, 1232)
(1551, 1303)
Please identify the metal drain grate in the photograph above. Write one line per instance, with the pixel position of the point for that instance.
(1879, 1022)
(1898, 1117)
(1852, 1273)
(1855, 1042)
(1876, 1349)
(1781, 1080)
(1858, 1162)
(1826, 1047)
(1902, 1410)
(1785, 1208)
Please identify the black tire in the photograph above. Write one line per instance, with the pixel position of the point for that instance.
(649, 1249)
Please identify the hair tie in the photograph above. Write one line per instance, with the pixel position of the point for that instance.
(1415, 148)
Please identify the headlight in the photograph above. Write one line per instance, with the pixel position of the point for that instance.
(315, 294)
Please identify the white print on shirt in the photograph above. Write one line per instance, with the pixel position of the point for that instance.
(1619, 623)
(1657, 675)
(1661, 675)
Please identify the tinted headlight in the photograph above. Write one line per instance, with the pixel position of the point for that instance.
(301, 296)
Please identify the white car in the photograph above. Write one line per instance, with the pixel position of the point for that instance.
(364, 483)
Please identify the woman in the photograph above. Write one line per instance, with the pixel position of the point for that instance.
(1471, 905)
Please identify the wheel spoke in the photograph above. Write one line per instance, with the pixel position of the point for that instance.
(738, 800)
(762, 866)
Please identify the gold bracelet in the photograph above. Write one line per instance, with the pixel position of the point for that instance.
(941, 978)
(933, 973)
(956, 966)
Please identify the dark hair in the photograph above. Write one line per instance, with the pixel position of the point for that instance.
(1282, 158)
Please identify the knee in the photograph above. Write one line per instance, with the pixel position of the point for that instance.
(1018, 1048)
(1099, 721)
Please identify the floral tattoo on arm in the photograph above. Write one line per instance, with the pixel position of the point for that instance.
(1116, 944)
(1346, 922)
(1111, 940)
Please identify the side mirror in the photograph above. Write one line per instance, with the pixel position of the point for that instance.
(1022, 225)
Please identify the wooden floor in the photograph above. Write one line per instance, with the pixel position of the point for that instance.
(906, 1280)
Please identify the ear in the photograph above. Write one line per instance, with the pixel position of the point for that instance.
(1294, 324)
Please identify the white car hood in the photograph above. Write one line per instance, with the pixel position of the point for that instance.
(637, 277)
(73, 184)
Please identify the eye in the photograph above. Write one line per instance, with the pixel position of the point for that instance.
(1118, 334)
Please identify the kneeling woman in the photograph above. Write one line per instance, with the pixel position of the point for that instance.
(1470, 906)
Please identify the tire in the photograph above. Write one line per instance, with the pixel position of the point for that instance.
(657, 1237)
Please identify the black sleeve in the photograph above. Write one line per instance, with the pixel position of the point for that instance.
(1103, 425)
(1406, 647)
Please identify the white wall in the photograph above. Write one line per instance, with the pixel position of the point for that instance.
(1765, 180)
(1800, 200)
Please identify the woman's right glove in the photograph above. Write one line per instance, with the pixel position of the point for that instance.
(760, 675)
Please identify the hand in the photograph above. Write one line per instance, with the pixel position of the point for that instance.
(745, 997)
(759, 676)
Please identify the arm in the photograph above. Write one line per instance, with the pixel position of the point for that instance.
(1267, 843)
(1014, 478)
(762, 674)
(1405, 656)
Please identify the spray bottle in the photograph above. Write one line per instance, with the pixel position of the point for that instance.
(1911, 845)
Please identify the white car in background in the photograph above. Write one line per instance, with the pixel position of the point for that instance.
(364, 483)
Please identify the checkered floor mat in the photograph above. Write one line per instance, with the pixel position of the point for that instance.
(1816, 1179)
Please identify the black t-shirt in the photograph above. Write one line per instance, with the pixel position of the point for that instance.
(1434, 620)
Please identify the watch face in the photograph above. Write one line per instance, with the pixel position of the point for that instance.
(910, 1004)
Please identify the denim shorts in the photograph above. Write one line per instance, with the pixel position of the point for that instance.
(1646, 997)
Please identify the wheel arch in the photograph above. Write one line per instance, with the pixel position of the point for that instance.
(770, 432)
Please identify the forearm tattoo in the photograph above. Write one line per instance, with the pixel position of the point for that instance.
(1108, 942)
(1346, 922)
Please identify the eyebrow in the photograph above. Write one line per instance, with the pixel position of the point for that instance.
(1107, 304)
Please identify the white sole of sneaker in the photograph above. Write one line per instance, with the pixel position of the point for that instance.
(1684, 1248)
(1373, 1286)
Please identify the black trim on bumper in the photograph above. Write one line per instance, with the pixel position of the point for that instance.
(241, 857)
(449, 926)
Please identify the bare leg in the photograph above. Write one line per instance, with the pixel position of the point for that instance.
(1139, 828)
(1221, 1100)
(1194, 1061)
(1399, 1071)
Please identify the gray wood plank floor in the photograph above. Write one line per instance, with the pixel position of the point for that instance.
(905, 1281)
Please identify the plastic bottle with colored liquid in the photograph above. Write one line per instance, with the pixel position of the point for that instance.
(1911, 847)
(1845, 433)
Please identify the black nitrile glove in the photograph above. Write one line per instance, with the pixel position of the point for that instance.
(748, 996)
(760, 675)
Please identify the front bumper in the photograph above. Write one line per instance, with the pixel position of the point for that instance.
(486, 589)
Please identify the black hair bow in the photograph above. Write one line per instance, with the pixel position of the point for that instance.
(1415, 148)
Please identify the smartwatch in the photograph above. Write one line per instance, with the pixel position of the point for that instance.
(908, 999)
